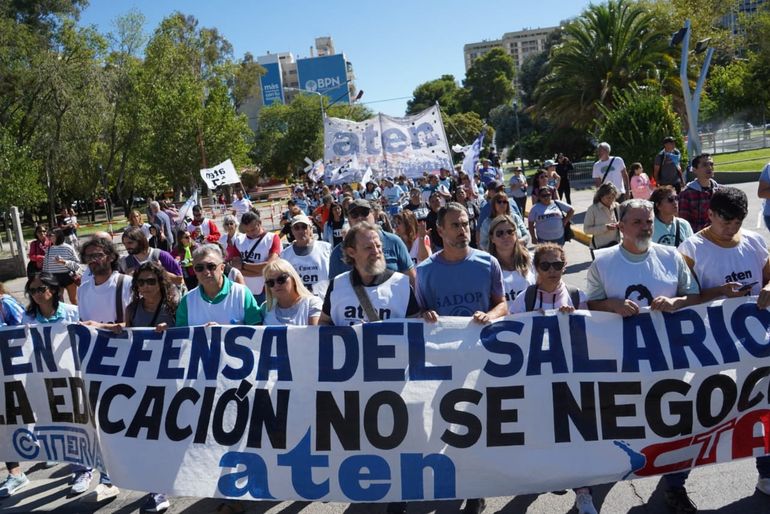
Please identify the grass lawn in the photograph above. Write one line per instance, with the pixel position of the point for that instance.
(749, 160)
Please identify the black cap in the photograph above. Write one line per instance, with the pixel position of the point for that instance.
(494, 185)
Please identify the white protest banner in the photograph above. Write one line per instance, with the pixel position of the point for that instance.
(222, 173)
(396, 410)
(390, 146)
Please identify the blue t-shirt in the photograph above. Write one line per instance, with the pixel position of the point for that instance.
(488, 175)
(439, 287)
(765, 177)
(395, 251)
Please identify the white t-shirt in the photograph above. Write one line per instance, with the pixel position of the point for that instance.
(298, 314)
(615, 175)
(514, 283)
(241, 207)
(660, 272)
(715, 266)
(312, 268)
(254, 254)
(97, 303)
(205, 229)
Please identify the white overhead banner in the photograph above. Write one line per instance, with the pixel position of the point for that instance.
(396, 410)
(222, 173)
(390, 146)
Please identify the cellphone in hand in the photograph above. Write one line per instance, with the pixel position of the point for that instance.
(747, 286)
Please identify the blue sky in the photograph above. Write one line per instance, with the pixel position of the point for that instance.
(393, 46)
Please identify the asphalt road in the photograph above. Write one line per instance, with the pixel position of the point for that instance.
(724, 488)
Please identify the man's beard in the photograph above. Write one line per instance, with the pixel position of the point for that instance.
(132, 251)
(375, 268)
(643, 242)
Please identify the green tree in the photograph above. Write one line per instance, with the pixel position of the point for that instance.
(464, 127)
(727, 91)
(489, 82)
(20, 183)
(443, 90)
(637, 123)
(608, 48)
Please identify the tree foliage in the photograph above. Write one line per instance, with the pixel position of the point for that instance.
(489, 82)
(443, 90)
(607, 49)
(637, 123)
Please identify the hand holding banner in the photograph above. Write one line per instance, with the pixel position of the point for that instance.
(222, 173)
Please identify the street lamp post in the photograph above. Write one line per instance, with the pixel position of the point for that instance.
(692, 98)
(518, 134)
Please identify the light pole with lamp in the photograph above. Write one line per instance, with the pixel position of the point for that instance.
(692, 99)
(515, 106)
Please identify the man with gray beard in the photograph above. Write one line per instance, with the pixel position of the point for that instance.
(639, 273)
(370, 291)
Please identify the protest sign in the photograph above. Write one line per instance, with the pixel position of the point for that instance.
(395, 410)
(389, 145)
(222, 173)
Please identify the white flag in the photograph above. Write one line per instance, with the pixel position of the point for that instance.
(188, 205)
(471, 158)
(316, 173)
(222, 173)
(368, 175)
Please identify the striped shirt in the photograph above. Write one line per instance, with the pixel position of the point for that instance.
(64, 251)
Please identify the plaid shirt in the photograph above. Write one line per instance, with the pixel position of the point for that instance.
(694, 204)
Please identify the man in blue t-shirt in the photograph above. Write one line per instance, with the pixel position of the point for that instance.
(395, 251)
(763, 191)
(480, 292)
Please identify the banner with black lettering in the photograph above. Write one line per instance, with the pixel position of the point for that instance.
(396, 410)
(391, 146)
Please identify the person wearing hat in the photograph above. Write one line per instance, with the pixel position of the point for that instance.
(485, 210)
(518, 185)
(667, 167)
(554, 180)
(394, 196)
(309, 257)
(433, 185)
(395, 251)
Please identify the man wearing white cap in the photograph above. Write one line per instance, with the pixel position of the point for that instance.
(308, 256)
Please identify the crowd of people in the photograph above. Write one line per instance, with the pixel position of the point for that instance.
(394, 249)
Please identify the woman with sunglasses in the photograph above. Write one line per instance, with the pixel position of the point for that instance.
(154, 299)
(287, 300)
(336, 226)
(182, 252)
(55, 260)
(513, 256)
(549, 292)
(45, 306)
(501, 206)
(668, 229)
(230, 225)
(548, 218)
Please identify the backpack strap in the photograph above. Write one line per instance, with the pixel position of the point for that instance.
(363, 298)
(609, 168)
(678, 237)
(119, 299)
(529, 298)
(574, 295)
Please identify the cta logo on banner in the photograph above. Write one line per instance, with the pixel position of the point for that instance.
(398, 410)
(389, 145)
(222, 173)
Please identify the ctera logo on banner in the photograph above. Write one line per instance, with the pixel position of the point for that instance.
(390, 146)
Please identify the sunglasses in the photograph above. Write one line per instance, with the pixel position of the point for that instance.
(299, 226)
(672, 199)
(501, 202)
(229, 224)
(504, 232)
(38, 290)
(280, 280)
(146, 282)
(210, 266)
(545, 266)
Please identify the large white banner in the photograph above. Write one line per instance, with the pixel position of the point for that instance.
(397, 410)
(390, 146)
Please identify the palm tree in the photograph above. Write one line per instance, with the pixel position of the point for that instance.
(608, 48)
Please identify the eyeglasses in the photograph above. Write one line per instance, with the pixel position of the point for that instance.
(299, 226)
(146, 282)
(229, 224)
(186, 236)
(38, 290)
(94, 257)
(280, 280)
(501, 202)
(556, 265)
(210, 266)
(504, 232)
(672, 199)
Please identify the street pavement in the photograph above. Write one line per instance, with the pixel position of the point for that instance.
(723, 488)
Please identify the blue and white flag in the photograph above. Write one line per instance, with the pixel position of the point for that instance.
(192, 200)
(316, 173)
(472, 158)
